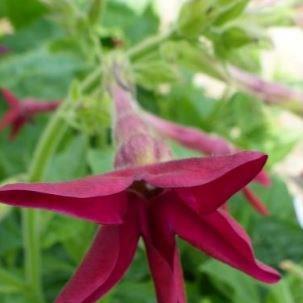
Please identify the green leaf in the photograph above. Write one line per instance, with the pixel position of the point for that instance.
(195, 16)
(193, 57)
(69, 163)
(188, 105)
(151, 73)
(234, 37)
(130, 292)
(277, 237)
(181, 152)
(22, 14)
(100, 160)
(281, 293)
(39, 73)
(95, 11)
(234, 284)
(230, 10)
(286, 244)
(32, 36)
(10, 283)
(137, 6)
(74, 234)
(133, 27)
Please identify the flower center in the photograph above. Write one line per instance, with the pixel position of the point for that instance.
(146, 190)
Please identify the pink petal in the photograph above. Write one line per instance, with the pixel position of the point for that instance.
(200, 171)
(255, 201)
(263, 178)
(8, 118)
(97, 265)
(227, 179)
(89, 187)
(16, 127)
(196, 139)
(10, 98)
(104, 265)
(219, 236)
(163, 255)
(100, 199)
(168, 280)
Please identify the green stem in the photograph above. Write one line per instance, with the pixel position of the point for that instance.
(90, 80)
(31, 228)
(31, 231)
(149, 44)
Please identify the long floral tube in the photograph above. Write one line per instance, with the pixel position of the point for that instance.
(270, 92)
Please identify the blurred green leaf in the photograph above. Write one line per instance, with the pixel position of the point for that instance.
(21, 15)
(151, 73)
(133, 26)
(101, 160)
(69, 163)
(39, 73)
(193, 57)
(230, 10)
(234, 284)
(32, 36)
(195, 16)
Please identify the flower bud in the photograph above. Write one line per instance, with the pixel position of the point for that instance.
(137, 144)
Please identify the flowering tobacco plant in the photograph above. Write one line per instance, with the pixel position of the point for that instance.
(209, 144)
(152, 197)
(22, 112)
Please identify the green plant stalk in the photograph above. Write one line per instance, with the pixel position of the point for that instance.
(149, 44)
(31, 231)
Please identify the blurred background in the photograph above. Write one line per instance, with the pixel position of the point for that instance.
(44, 47)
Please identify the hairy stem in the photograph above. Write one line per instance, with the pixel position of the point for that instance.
(30, 218)
(149, 44)
(31, 231)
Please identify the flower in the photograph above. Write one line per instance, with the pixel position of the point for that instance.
(21, 112)
(3, 50)
(270, 92)
(196, 139)
(155, 202)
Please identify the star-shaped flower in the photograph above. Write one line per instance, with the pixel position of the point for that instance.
(196, 139)
(21, 112)
(155, 202)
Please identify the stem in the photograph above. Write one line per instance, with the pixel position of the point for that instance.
(31, 231)
(47, 145)
(32, 258)
(91, 78)
(30, 218)
(149, 44)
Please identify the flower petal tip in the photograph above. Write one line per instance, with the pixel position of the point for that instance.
(269, 275)
(273, 277)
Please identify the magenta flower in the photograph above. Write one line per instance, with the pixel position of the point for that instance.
(212, 145)
(21, 112)
(154, 202)
(3, 50)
